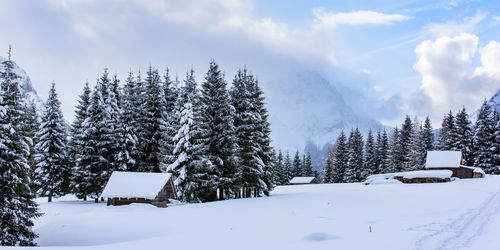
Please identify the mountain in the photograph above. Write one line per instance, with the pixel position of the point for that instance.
(494, 103)
(308, 112)
(27, 88)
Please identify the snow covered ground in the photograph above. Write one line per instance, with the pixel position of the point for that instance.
(463, 214)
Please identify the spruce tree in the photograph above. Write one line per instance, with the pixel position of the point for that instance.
(77, 142)
(354, 169)
(328, 168)
(447, 136)
(405, 135)
(417, 153)
(339, 159)
(297, 166)
(395, 153)
(169, 126)
(149, 132)
(287, 168)
(127, 157)
(428, 134)
(17, 208)
(307, 163)
(495, 149)
(463, 137)
(383, 153)
(370, 161)
(31, 124)
(217, 118)
(281, 176)
(482, 140)
(52, 171)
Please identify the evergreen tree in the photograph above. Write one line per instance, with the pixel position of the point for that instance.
(405, 135)
(93, 166)
(31, 124)
(395, 153)
(77, 142)
(195, 175)
(383, 153)
(52, 170)
(307, 163)
(17, 208)
(113, 126)
(447, 136)
(463, 139)
(287, 168)
(328, 168)
(127, 157)
(417, 153)
(149, 132)
(428, 134)
(355, 164)
(169, 126)
(217, 119)
(339, 159)
(495, 149)
(281, 175)
(370, 161)
(297, 166)
(482, 140)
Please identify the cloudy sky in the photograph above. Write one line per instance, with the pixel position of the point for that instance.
(413, 57)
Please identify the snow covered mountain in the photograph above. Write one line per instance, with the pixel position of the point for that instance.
(306, 110)
(494, 103)
(26, 86)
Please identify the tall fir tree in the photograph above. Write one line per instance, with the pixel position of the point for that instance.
(495, 149)
(217, 118)
(328, 168)
(447, 136)
(77, 142)
(354, 169)
(281, 174)
(405, 135)
(307, 163)
(428, 134)
(297, 166)
(417, 153)
(482, 140)
(17, 208)
(52, 170)
(31, 124)
(339, 159)
(169, 126)
(370, 161)
(195, 175)
(149, 132)
(127, 157)
(395, 153)
(463, 137)
(287, 167)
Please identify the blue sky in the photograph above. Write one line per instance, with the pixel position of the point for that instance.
(413, 57)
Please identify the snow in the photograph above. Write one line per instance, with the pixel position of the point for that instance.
(135, 185)
(464, 214)
(298, 180)
(428, 174)
(436, 159)
(475, 169)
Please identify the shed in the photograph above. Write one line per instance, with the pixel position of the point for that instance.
(427, 176)
(124, 188)
(448, 160)
(303, 180)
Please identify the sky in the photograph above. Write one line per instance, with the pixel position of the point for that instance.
(390, 57)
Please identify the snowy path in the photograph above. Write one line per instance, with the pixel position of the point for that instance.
(460, 232)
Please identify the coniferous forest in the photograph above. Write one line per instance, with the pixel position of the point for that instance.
(213, 138)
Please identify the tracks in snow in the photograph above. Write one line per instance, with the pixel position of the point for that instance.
(462, 230)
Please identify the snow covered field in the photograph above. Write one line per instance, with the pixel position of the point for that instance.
(464, 214)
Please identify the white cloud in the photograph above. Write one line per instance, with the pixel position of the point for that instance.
(468, 25)
(447, 82)
(328, 19)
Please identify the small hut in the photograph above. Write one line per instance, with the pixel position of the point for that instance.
(124, 188)
(427, 176)
(451, 160)
(303, 180)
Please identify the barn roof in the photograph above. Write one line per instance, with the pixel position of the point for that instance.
(135, 185)
(297, 180)
(449, 159)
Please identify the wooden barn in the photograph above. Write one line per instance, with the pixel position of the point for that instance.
(124, 188)
(303, 180)
(451, 160)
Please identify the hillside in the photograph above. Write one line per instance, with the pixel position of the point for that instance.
(463, 214)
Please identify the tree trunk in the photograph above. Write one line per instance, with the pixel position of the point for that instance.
(50, 198)
(221, 193)
(96, 200)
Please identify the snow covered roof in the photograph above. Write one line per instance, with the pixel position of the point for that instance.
(475, 169)
(135, 185)
(428, 174)
(438, 159)
(298, 180)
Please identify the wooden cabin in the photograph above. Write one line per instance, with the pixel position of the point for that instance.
(124, 188)
(303, 180)
(427, 176)
(451, 160)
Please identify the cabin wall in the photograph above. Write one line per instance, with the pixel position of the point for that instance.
(426, 180)
(461, 173)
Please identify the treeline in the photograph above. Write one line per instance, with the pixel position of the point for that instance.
(285, 169)
(352, 158)
(212, 138)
